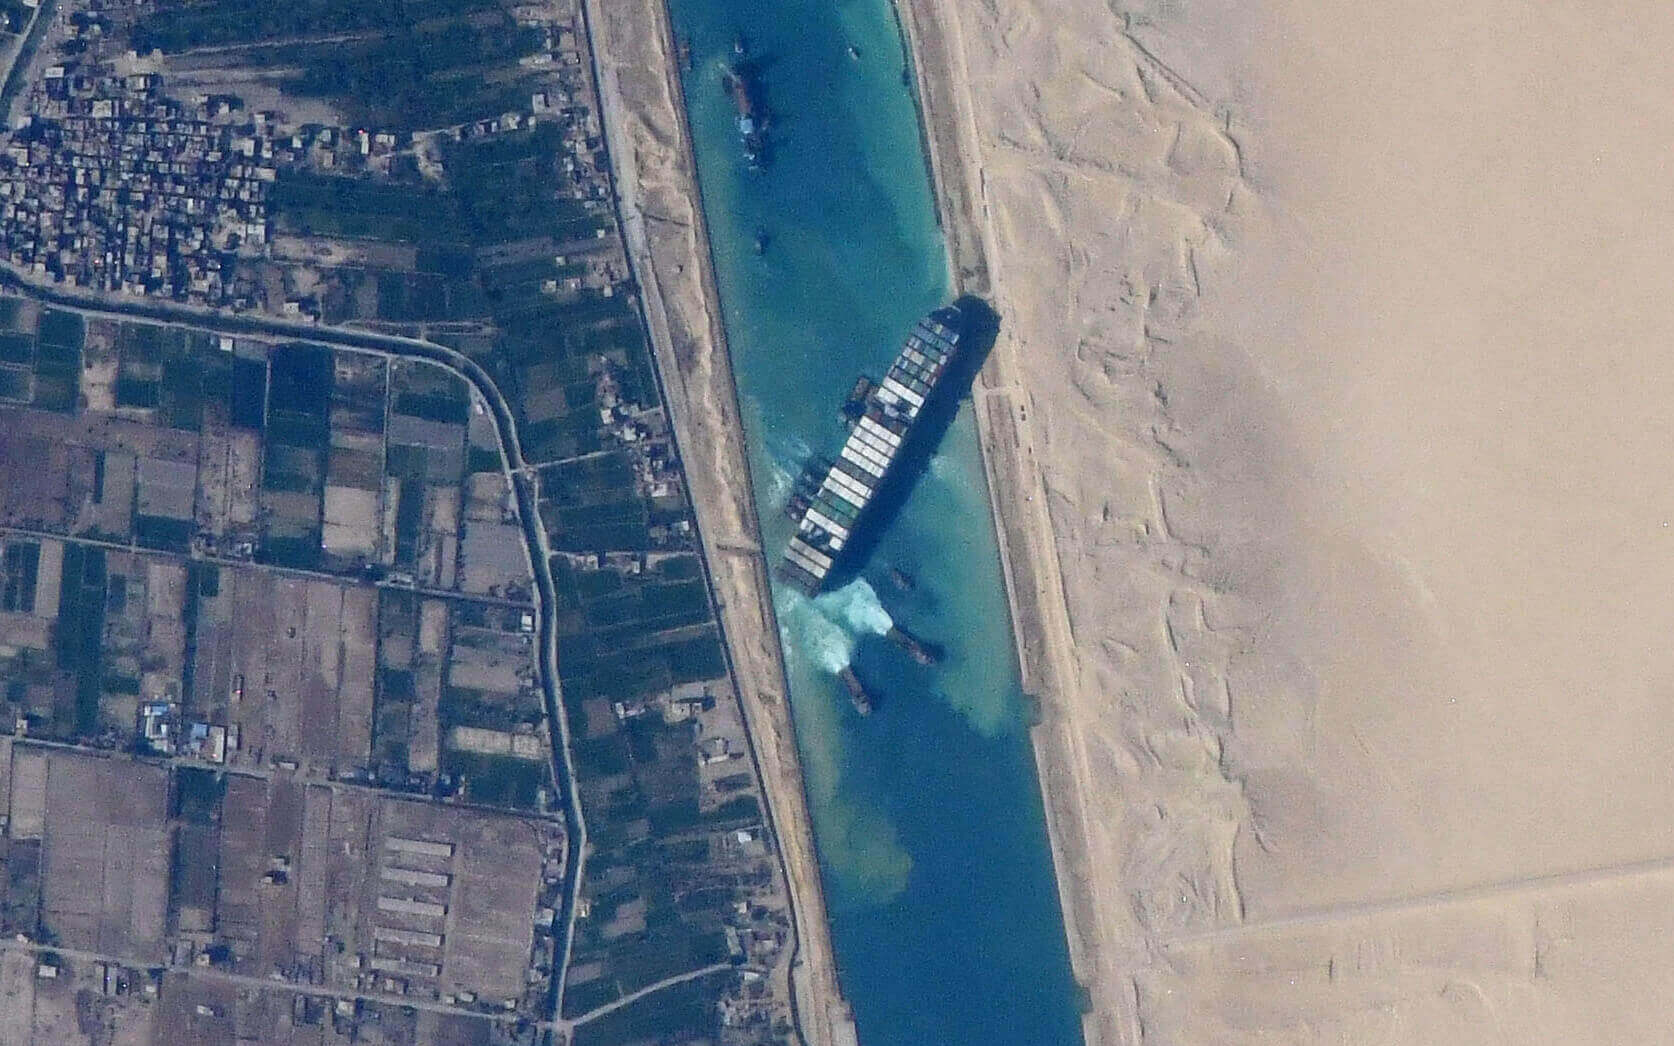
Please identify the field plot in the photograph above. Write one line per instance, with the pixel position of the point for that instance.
(144, 644)
(396, 67)
(493, 560)
(412, 646)
(490, 714)
(276, 863)
(287, 663)
(128, 464)
(31, 572)
(274, 1016)
(457, 697)
(354, 490)
(629, 633)
(294, 468)
(337, 885)
(50, 471)
(429, 409)
(105, 869)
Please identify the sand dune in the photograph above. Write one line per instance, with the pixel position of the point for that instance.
(1335, 363)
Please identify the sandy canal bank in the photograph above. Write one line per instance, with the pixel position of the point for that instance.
(668, 244)
(1323, 433)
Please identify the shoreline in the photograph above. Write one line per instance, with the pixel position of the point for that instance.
(1028, 555)
(668, 247)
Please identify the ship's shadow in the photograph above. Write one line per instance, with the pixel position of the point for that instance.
(981, 327)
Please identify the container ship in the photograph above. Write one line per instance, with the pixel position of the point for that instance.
(831, 499)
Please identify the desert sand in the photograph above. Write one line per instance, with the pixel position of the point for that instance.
(1325, 436)
(651, 153)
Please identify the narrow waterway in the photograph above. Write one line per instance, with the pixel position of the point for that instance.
(927, 814)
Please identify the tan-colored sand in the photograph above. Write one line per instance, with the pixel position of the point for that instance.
(668, 244)
(1326, 433)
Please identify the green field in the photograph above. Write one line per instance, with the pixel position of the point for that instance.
(497, 780)
(389, 64)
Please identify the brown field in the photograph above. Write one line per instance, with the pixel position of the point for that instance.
(305, 649)
(104, 880)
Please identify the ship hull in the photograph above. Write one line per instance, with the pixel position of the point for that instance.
(837, 521)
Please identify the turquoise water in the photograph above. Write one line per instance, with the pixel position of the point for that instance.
(928, 816)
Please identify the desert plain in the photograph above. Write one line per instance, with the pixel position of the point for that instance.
(1327, 430)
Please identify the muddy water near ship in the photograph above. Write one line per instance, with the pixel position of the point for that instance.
(927, 814)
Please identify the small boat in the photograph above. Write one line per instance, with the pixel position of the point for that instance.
(854, 53)
(761, 241)
(739, 46)
(683, 48)
(901, 579)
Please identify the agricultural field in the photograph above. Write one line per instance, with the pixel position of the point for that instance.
(378, 63)
(40, 356)
(285, 586)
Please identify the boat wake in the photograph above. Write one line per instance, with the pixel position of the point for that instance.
(948, 473)
(789, 450)
(780, 482)
(856, 605)
(825, 629)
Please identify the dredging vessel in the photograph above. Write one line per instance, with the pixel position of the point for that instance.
(739, 79)
(831, 499)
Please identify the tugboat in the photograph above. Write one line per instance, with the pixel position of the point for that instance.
(857, 693)
(920, 651)
(854, 406)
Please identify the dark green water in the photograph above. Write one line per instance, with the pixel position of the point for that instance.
(928, 815)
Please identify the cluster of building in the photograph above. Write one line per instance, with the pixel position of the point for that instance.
(113, 186)
(644, 433)
(109, 183)
(165, 733)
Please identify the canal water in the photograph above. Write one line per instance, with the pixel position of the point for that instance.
(927, 814)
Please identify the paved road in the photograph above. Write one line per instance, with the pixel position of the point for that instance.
(210, 973)
(318, 991)
(234, 561)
